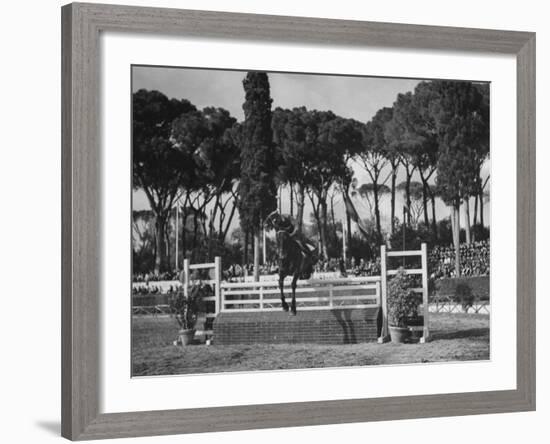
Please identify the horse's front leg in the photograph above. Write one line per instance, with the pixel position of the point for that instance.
(281, 288)
(293, 302)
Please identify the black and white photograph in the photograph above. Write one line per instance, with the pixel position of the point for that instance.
(296, 220)
(274, 222)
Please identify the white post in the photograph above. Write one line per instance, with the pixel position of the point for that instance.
(384, 303)
(344, 229)
(330, 296)
(264, 247)
(218, 279)
(261, 294)
(186, 277)
(425, 301)
(177, 235)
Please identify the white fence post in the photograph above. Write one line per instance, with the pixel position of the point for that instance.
(331, 295)
(384, 303)
(186, 277)
(261, 297)
(344, 235)
(425, 301)
(218, 280)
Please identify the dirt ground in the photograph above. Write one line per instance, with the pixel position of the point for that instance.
(454, 337)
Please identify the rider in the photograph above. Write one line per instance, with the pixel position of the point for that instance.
(282, 222)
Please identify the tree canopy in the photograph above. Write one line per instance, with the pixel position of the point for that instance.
(159, 167)
(212, 166)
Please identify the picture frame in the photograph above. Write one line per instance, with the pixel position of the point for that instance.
(81, 244)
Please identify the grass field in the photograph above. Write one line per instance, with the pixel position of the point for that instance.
(455, 337)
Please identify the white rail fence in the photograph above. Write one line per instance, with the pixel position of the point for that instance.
(313, 294)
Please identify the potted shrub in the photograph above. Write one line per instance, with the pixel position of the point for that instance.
(402, 305)
(465, 296)
(186, 310)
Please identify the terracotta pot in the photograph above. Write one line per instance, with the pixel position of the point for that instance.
(186, 336)
(399, 334)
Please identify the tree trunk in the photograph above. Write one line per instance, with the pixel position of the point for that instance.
(425, 199)
(317, 216)
(210, 231)
(345, 195)
(348, 229)
(434, 221)
(245, 251)
(182, 234)
(168, 243)
(408, 196)
(393, 180)
(453, 223)
(160, 231)
(300, 202)
(456, 237)
(333, 218)
(223, 233)
(481, 209)
(377, 211)
(256, 255)
(195, 235)
(476, 197)
(291, 200)
(323, 227)
(467, 216)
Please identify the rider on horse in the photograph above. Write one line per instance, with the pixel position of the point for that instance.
(281, 222)
(295, 255)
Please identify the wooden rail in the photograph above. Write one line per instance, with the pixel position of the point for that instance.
(355, 292)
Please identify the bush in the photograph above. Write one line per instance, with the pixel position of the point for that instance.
(480, 233)
(464, 295)
(479, 285)
(413, 237)
(360, 248)
(143, 261)
(403, 302)
(186, 309)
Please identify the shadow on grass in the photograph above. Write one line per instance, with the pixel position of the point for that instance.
(343, 317)
(460, 334)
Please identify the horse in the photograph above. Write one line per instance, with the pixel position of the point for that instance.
(295, 259)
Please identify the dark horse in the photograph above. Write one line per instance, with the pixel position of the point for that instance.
(296, 256)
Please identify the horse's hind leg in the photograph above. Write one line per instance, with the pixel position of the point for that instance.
(293, 302)
(281, 288)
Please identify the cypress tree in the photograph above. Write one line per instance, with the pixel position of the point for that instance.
(257, 190)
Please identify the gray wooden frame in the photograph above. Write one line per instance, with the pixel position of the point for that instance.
(81, 166)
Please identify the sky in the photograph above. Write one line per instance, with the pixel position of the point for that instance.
(351, 97)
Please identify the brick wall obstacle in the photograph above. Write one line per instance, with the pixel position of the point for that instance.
(333, 311)
(331, 326)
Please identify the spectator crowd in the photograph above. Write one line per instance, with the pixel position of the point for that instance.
(155, 277)
(474, 260)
